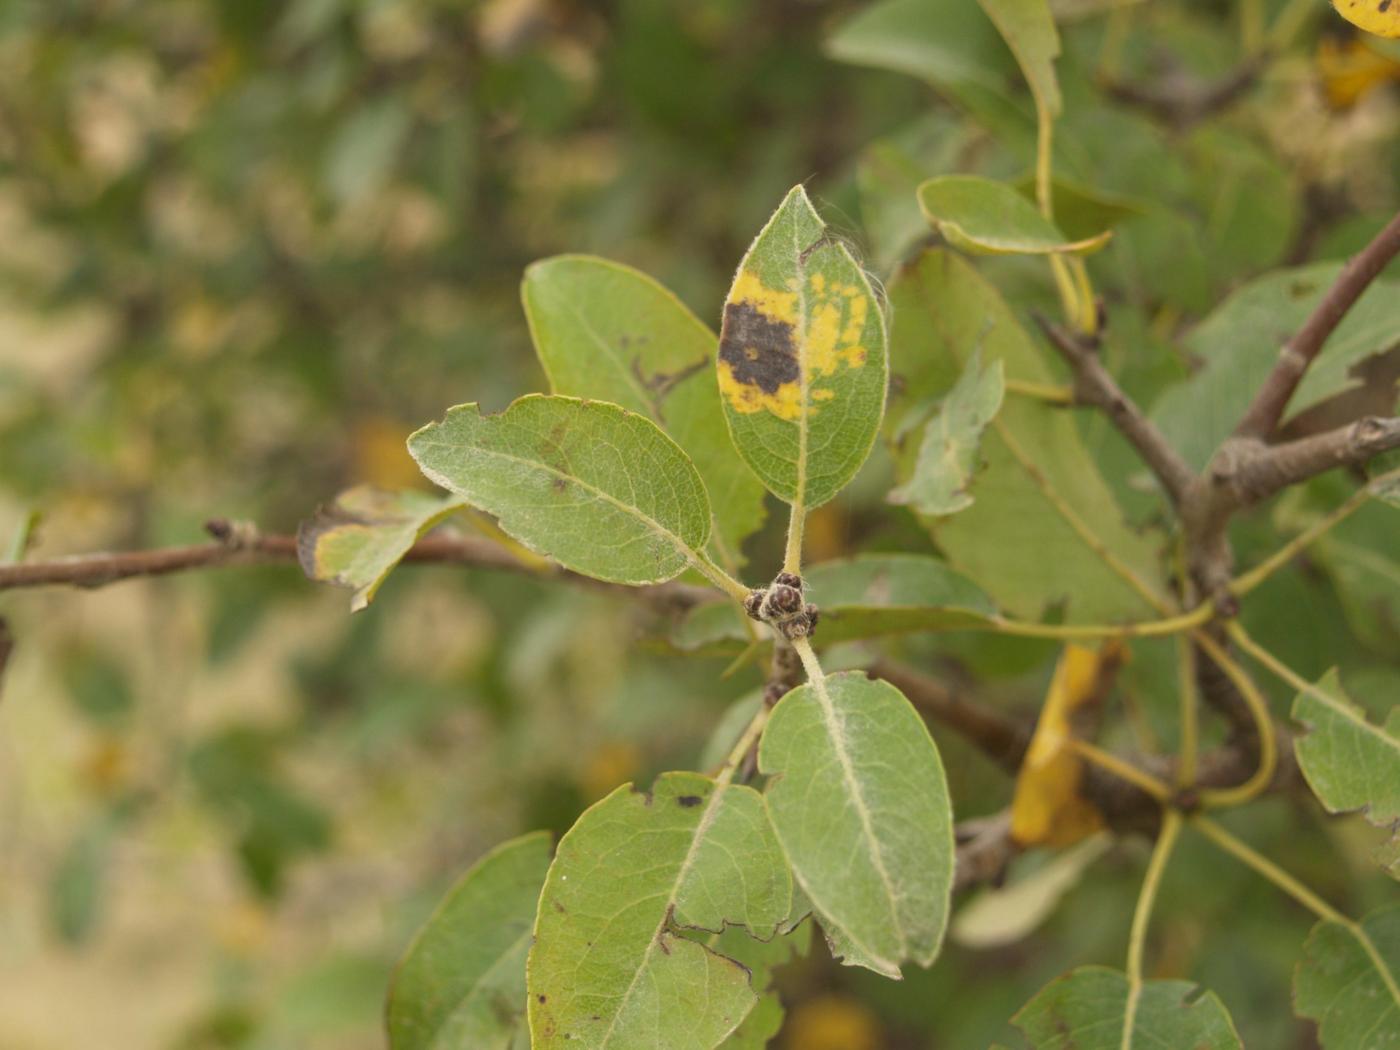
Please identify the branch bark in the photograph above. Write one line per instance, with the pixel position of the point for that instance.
(1272, 398)
(1093, 385)
(242, 544)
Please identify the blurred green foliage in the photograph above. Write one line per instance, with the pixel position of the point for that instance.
(247, 245)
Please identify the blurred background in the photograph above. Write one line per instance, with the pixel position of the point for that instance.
(246, 246)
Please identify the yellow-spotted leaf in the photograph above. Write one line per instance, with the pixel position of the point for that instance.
(1047, 809)
(601, 490)
(990, 218)
(1381, 17)
(802, 358)
(359, 538)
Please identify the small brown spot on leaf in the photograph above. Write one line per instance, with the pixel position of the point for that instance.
(687, 801)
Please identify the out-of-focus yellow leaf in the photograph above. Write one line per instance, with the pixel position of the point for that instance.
(832, 1022)
(1350, 69)
(380, 457)
(616, 762)
(1381, 17)
(1047, 809)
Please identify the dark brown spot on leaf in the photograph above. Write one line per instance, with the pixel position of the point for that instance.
(687, 801)
(758, 349)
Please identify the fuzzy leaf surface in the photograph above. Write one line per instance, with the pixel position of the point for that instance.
(610, 967)
(802, 358)
(860, 803)
(608, 332)
(1350, 988)
(601, 490)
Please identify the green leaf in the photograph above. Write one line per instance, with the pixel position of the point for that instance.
(1081, 211)
(952, 46)
(1349, 762)
(358, 539)
(1029, 30)
(1087, 1009)
(1239, 343)
(868, 596)
(761, 957)
(990, 218)
(860, 803)
(462, 981)
(608, 332)
(802, 358)
(1013, 541)
(609, 968)
(601, 490)
(730, 728)
(1349, 982)
(948, 456)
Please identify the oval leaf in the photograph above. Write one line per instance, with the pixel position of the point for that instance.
(860, 803)
(1089, 1009)
(802, 358)
(991, 218)
(599, 489)
(609, 968)
(1381, 17)
(1029, 30)
(462, 981)
(606, 331)
(358, 539)
(1349, 762)
(1349, 982)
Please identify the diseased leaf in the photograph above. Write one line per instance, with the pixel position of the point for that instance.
(1381, 17)
(1047, 808)
(949, 453)
(1011, 912)
(1349, 762)
(609, 968)
(868, 596)
(608, 332)
(462, 981)
(990, 218)
(1014, 541)
(1088, 1009)
(358, 539)
(1350, 985)
(859, 801)
(599, 489)
(1029, 30)
(1239, 342)
(802, 358)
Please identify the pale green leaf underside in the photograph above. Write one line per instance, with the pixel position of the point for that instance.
(611, 333)
(1012, 541)
(860, 803)
(1239, 342)
(462, 981)
(868, 596)
(601, 490)
(609, 968)
(802, 358)
(1029, 30)
(1349, 762)
(358, 539)
(1087, 1009)
(949, 452)
(988, 217)
(1350, 992)
(1005, 914)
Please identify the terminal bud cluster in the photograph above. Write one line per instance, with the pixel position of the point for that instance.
(783, 607)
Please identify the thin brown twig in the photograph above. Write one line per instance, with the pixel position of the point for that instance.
(1093, 385)
(1298, 353)
(1266, 469)
(240, 544)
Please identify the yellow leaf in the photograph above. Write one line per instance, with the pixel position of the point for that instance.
(832, 1022)
(1350, 69)
(1047, 809)
(1381, 17)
